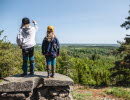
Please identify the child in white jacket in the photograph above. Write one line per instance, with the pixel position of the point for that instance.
(26, 41)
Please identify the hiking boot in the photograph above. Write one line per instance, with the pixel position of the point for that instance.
(52, 76)
(48, 71)
(52, 71)
(48, 74)
(24, 74)
(31, 73)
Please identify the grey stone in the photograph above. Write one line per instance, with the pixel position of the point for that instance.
(59, 80)
(63, 94)
(36, 87)
(29, 82)
(17, 96)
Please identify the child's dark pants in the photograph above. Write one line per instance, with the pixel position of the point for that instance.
(28, 52)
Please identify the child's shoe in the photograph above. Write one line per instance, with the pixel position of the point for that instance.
(24, 74)
(52, 75)
(31, 73)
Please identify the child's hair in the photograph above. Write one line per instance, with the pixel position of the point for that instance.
(25, 21)
(48, 34)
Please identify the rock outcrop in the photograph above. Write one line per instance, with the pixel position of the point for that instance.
(36, 87)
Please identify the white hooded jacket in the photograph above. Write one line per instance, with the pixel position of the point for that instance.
(26, 36)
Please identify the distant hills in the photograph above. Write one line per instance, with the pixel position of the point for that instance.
(69, 44)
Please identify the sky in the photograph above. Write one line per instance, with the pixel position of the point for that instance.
(75, 21)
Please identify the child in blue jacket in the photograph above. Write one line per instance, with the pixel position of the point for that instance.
(50, 49)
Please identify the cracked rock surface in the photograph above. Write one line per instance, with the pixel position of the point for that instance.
(36, 87)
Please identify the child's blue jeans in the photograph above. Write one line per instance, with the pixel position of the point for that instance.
(51, 61)
(28, 53)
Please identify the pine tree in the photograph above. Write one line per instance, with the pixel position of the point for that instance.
(121, 71)
(126, 24)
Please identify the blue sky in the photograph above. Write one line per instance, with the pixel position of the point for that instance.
(75, 21)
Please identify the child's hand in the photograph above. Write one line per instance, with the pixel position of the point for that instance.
(33, 21)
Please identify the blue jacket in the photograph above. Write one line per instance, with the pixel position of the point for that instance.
(51, 48)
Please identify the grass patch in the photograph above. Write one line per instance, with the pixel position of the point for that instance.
(81, 96)
(118, 92)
